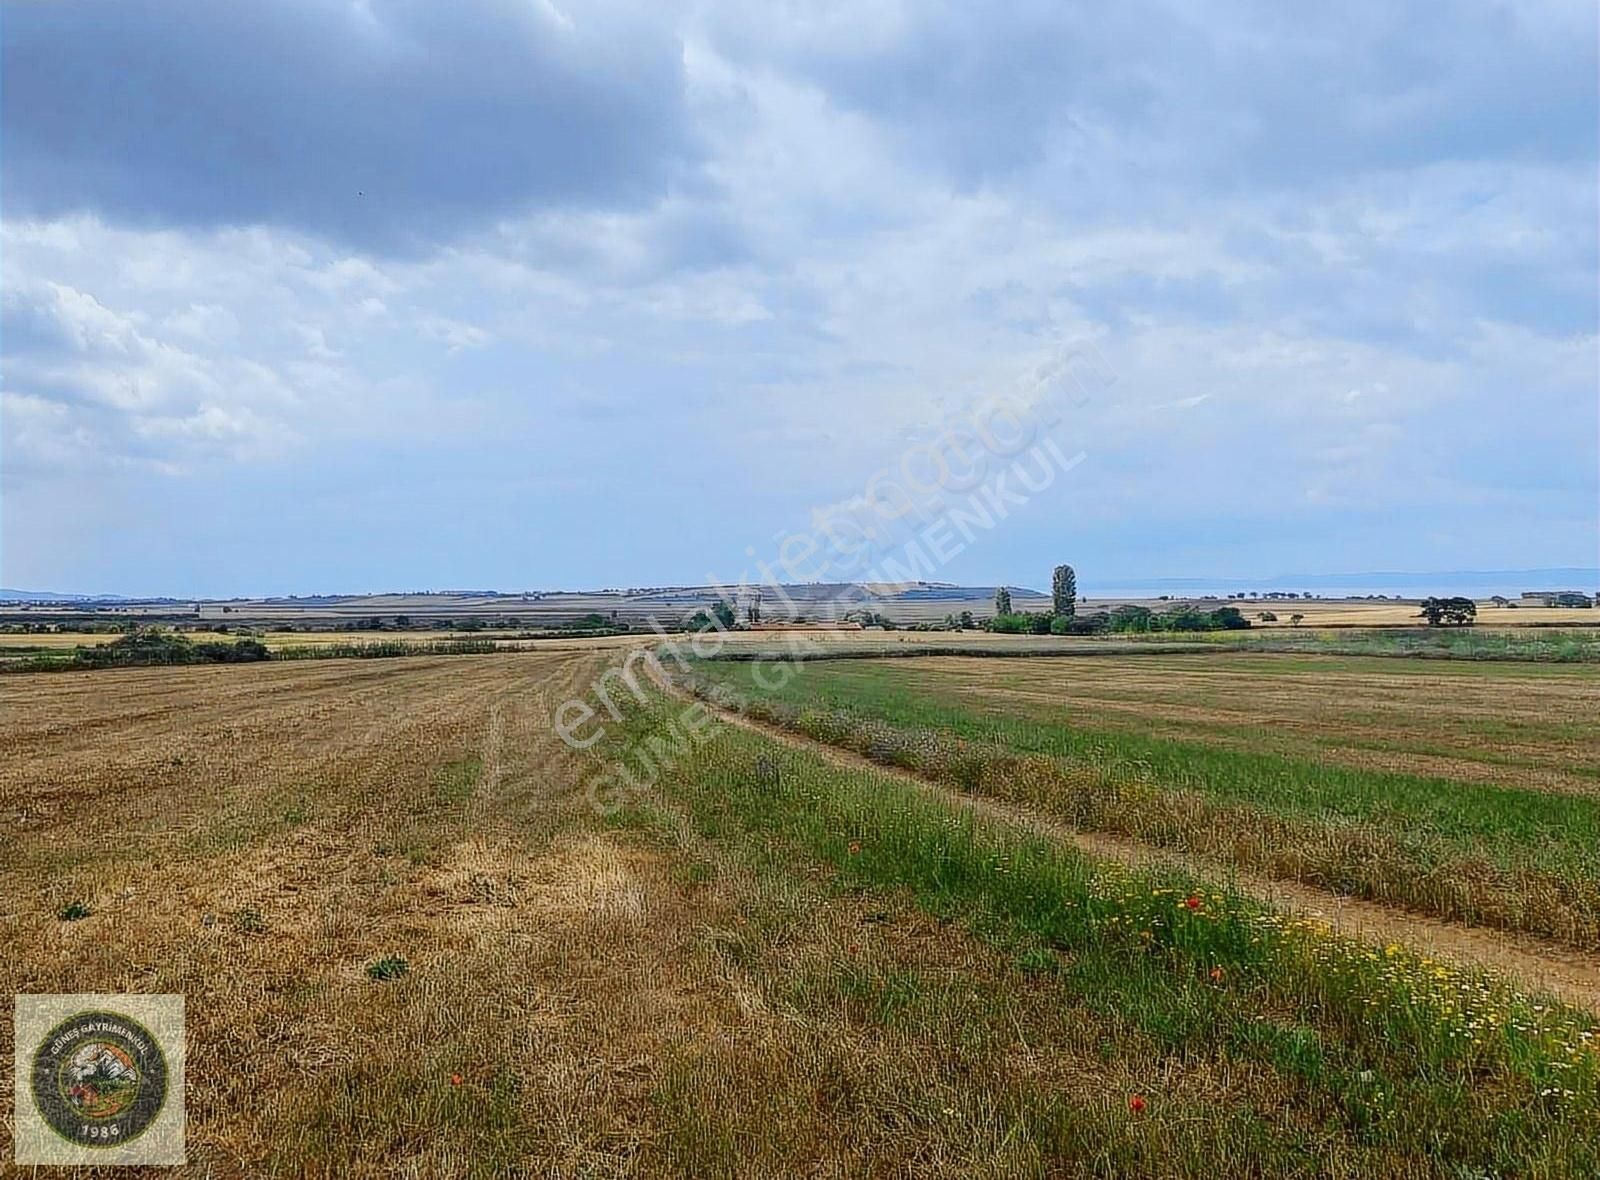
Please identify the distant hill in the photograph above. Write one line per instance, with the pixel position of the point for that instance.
(14, 597)
(51, 596)
(903, 601)
(1477, 583)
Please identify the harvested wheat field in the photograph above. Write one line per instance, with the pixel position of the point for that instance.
(416, 938)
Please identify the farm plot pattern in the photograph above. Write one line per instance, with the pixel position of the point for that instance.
(409, 943)
(1429, 786)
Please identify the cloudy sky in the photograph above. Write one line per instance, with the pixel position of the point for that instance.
(338, 295)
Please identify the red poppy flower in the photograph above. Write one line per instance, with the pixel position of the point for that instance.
(455, 1079)
(1136, 1104)
(1192, 902)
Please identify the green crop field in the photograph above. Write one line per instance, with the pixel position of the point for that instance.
(1276, 1048)
(1467, 791)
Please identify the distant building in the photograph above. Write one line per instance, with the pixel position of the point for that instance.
(1569, 598)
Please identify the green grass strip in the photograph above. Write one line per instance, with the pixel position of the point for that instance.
(1402, 1050)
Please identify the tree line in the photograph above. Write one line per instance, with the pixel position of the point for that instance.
(1062, 618)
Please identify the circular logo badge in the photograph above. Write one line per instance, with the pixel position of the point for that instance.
(99, 1079)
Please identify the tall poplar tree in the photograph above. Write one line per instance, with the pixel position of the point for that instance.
(1064, 590)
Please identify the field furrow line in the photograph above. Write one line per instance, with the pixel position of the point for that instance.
(1568, 975)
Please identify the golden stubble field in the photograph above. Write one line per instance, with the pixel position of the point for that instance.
(1345, 613)
(254, 837)
(277, 640)
(705, 983)
(581, 999)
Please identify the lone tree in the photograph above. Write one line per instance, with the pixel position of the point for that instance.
(1064, 590)
(1002, 601)
(721, 618)
(1456, 612)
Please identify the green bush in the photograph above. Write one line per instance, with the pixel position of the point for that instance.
(1139, 619)
(1010, 624)
(1229, 618)
(152, 646)
(387, 968)
(1095, 624)
(1456, 612)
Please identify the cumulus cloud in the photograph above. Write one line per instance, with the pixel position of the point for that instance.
(1164, 91)
(123, 393)
(566, 271)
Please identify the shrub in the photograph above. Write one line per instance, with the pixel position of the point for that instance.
(387, 968)
(1228, 618)
(1136, 619)
(383, 648)
(1022, 623)
(1457, 612)
(1184, 618)
(1009, 624)
(1095, 624)
(240, 651)
(153, 646)
(1179, 619)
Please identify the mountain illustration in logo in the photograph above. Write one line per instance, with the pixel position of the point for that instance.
(100, 1080)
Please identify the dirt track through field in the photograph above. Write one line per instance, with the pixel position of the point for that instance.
(1570, 976)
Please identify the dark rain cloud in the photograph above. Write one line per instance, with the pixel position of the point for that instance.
(389, 126)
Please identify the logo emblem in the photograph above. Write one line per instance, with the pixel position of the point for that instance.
(99, 1079)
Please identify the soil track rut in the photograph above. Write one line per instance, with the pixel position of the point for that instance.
(1568, 975)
